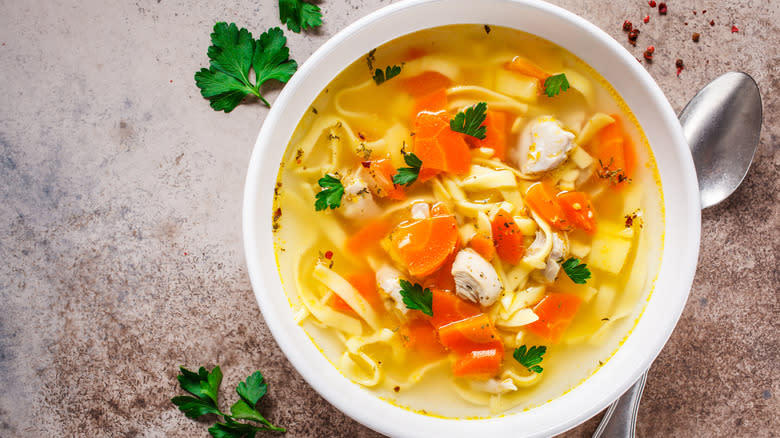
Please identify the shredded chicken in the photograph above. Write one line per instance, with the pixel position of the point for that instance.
(388, 279)
(542, 146)
(475, 278)
(358, 202)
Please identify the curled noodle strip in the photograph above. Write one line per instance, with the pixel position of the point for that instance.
(463, 96)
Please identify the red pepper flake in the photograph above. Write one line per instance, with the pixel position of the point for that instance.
(362, 137)
(329, 255)
(686, 23)
(679, 65)
(632, 36)
(662, 8)
(651, 3)
(694, 12)
(695, 37)
(366, 164)
(734, 29)
(712, 22)
(646, 19)
(649, 53)
(627, 26)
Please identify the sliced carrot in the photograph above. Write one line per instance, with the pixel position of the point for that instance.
(439, 209)
(425, 83)
(473, 333)
(578, 209)
(507, 237)
(555, 312)
(629, 156)
(495, 134)
(608, 148)
(365, 283)
(528, 68)
(420, 336)
(424, 245)
(442, 278)
(368, 237)
(540, 198)
(448, 308)
(439, 147)
(484, 246)
(432, 102)
(479, 363)
(382, 172)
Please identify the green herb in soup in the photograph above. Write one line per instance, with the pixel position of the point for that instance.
(455, 239)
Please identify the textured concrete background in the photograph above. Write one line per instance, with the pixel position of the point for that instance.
(120, 199)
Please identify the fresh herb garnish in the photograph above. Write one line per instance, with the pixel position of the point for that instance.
(330, 195)
(578, 272)
(615, 176)
(555, 84)
(232, 54)
(470, 122)
(204, 386)
(297, 15)
(530, 358)
(408, 175)
(417, 298)
(390, 72)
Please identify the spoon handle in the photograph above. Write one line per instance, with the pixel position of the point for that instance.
(620, 419)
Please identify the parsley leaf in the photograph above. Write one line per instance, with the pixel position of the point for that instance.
(555, 84)
(578, 272)
(530, 358)
(470, 122)
(416, 298)
(408, 175)
(232, 55)
(330, 195)
(298, 15)
(204, 385)
(389, 73)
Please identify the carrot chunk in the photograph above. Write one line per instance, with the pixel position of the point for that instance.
(578, 209)
(540, 198)
(432, 102)
(615, 153)
(442, 278)
(448, 308)
(507, 237)
(473, 333)
(424, 245)
(495, 134)
(440, 148)
(425, 83)
(365, 283)
(382, 172)
(555, 312)
(368, 237)
(420, 336)
(484, 246)
(528, 68)
(479, 363)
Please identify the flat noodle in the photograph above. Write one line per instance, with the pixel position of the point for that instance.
(498, 165)
(348, 293)
(360, 368)
(463, 96)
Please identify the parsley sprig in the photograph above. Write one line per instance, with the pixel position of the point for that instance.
(417, 298)
(578, 272)
(530, 358)
(408, 175)
(232, 55)
(299, 15)
(554, 84)
(204, 386)
(330, 195)
(470, 122)
(390, 72)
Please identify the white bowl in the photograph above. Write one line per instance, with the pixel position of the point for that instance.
(640, 92)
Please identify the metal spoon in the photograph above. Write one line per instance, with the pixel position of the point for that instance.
(722, 124)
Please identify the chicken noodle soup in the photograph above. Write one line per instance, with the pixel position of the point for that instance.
(467, 221)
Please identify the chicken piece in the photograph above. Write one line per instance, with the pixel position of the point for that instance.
(543, 145)
(494, 386)
(358, 202)
(388, 280)
(558, 251)
(475, 278)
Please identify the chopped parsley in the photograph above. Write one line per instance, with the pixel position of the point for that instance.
(390, 72)
(297, 15)
(330, 195)
(530, 358)
(470, 122)
(555, 84)
(232, 54)
(578, 272)
(417, 298)
(408, 175)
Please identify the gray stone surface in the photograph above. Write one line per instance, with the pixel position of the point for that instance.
(120, 199)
